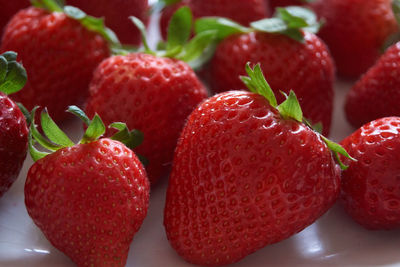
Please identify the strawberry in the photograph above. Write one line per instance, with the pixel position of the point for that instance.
(13, 128)
(246, 173)
(376, 94)
(151, 93)
(8, 9)
(116, 13)
(355, 31)
(241, 11)
(59, 53)
(370, 186)
(282, 3)
(290, 57)
(89, 199)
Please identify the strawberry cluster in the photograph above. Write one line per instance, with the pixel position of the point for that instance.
(247, 160)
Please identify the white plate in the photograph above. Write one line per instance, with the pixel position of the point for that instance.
(333, 240)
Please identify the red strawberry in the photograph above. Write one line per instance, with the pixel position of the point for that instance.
(88, 199)
(240, 11)
(246, 174)
(116, 13)
(376, 94)
(282, 3)
(8, 9)
(150, 93)
(60, 55)
(370, 186)
(13, 128)
(355, 31)
(305, 67)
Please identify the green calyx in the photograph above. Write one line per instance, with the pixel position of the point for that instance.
(13, 76)
(91, 23)
(54, 138)
(288, 109)
(290, 21)
(195, 51)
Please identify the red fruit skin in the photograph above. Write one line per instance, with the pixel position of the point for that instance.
(282, 3)
(376, 94)
(355, 31)
(154, 95)
(59, 55)
(240, 11)
(370, 186)
(116, 14)
(244, 178)
(13, 142)
(8, 9)
(307, 69)
(89, 200)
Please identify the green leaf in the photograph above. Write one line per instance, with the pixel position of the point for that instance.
(131, 139)
(169, 2)
(50, 5)
(3, 69)
(35, 154)
(53, 132)
(180, 28)
(15, 78)
(142, 28)
(95, 129)
(196, 47)
(10, 56)
(38, 136)
(257, 83)
(79, 113)
(272, 25)
(292, 19)
(26, 113)
(290, 108)
(396, 10)
(295, 34)
(337, 149)
(223, 26)
(92, 24)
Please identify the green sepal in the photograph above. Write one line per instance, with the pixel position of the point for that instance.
(290, 21)
(92, 24)
(26, 113)
(224, 27)
(257, 83)
(95, 129)
(13, 75)
(35, 154)
(317, 127)
(396, 10)
(337, 149)
(199, 50)
(50, 5)
(290, 108)
(79, 113)
(53, 132)
(142, 28)
(131, 139)
(179, 28)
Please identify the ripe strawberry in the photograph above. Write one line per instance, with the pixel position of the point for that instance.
(13, 128)
(8, 9)
(150, 93)
(88, 199)
(59, 53)
(246, 173)
(370, 186)
(376, 94)
(355, 31)
(282, 3)
(116, 13)
(304, 66)
(243, 12)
